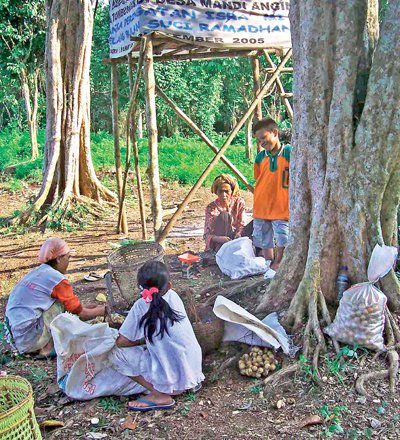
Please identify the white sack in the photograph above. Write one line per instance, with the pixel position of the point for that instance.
(360, 317)
(236, 259)
(83, 370)
(232, 313)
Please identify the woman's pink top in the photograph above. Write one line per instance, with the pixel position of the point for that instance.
(236, 209)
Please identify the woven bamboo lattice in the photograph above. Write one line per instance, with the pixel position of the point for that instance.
(124, 264)
(17, 418)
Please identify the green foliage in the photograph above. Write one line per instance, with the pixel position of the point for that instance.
(181, 159)
(37, 375)
(111, 404)
(22, 30)
(307, 370)
(333, 418)
(343, 360)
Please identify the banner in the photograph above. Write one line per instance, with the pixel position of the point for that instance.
(226, 24)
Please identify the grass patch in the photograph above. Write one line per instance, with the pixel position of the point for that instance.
(180, 159)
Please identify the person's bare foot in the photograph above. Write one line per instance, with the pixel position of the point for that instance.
(48, 349)
(155, 397)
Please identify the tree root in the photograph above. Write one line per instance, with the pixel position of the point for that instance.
(245, 285)
(393, 342)
(39, 216)
(274, 379)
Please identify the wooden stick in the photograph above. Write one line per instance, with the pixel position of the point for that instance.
(151, 120)
(203, 136)
(220, 153)
(131, 136)
(281, 89)
(122, 222)
(255, 67)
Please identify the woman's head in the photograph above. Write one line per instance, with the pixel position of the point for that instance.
(154, 274)
(56, 253)
(225, 187)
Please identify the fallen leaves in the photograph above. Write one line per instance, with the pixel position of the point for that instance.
(51, 424)
(129, 423)
(311, 420)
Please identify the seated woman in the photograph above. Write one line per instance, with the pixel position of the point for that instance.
(170, 361)
(225, 217)
(39, 297)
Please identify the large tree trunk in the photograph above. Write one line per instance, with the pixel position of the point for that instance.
(68, 172)
(345, 164)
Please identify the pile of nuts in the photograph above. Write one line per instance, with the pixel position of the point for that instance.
(114, 318)
(258, 363)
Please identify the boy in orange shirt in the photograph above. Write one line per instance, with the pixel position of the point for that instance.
(271, 193)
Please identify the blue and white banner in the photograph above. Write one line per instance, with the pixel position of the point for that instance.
(226, 24)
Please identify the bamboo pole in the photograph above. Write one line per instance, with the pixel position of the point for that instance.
(255, 67)
(122, 224)
(203, 136)
(281, 89)
(226, 144)
(131, 137)
(151, 119)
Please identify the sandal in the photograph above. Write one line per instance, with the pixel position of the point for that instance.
(93, 276)
(151, 406)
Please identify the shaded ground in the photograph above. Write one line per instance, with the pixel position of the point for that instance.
(229, 406)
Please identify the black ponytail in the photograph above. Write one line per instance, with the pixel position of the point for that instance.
(155, 274)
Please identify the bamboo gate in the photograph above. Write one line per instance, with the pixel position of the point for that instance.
(158, 48)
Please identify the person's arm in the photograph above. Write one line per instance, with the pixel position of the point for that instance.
(63, 292)
(239, 219)
(91, 312)
(122, 341)
(208, 227)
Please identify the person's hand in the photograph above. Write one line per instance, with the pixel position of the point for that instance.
(224, 239)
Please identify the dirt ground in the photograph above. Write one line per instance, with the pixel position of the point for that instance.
(229, 406)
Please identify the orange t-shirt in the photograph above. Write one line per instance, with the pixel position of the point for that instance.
(271, 193)
(63, 292)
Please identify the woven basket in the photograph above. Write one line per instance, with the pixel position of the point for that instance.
(124, 264)
(17, 418)
(209, 329)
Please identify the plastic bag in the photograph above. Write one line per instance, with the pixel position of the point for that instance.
(83, 369)
(236, 259)
(360, 317)
(241, 324)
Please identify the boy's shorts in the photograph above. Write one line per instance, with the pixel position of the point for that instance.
(264, 232)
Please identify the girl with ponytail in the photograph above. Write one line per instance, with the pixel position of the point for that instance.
(156, 346)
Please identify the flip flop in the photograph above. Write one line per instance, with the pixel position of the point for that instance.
(93, 276)
(152, 406)
(195, 389)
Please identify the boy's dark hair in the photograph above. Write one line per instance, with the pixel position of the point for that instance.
(155, 274)
(267, 123)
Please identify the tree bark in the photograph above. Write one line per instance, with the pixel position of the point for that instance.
(31, 110)
(68, 173)
(152, 133)
(345, 162)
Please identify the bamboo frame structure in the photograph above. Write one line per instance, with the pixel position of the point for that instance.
(122, 224)
(226, 144)
(150, 49)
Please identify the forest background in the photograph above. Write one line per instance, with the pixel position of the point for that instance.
(215, 94)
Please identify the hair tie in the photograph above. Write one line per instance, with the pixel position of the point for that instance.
(147, 294)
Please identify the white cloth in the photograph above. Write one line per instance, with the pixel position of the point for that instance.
(172, 364)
